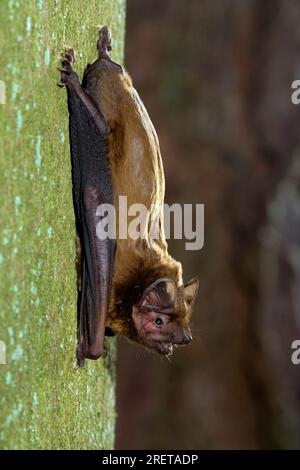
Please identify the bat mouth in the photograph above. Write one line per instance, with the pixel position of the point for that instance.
(166, 348)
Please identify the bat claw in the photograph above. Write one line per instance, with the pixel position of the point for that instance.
(104, 46)
(64, 70)
(68, 76)
(70, 54)
(104, 42)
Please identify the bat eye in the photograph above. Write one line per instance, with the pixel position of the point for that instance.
(158, 321)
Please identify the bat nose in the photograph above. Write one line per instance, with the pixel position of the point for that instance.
(186, 338)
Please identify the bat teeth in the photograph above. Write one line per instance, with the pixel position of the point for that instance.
(168, 348)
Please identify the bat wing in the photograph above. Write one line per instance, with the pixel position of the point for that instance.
(92, 186)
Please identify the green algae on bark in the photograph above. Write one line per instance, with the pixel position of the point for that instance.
(44, 402)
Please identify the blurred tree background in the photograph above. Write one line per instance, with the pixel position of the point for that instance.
(216, 79)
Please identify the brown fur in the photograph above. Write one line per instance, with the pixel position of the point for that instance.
(137, 172)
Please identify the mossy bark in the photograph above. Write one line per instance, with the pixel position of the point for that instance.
(44, 402)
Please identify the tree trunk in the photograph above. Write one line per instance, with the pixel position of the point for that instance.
(45, 403)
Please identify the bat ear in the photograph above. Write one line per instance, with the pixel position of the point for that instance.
(161, 293)
(191, 290)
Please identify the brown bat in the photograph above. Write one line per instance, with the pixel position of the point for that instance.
(129, 286)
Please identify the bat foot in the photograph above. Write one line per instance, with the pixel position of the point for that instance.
(104, 46)
(104, 42)
(68, 76)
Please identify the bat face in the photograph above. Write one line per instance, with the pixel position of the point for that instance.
(162, 316)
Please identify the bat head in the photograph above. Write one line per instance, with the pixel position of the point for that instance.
(161, 318)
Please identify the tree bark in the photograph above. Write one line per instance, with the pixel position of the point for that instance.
(44, 402)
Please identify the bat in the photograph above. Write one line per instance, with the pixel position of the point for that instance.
(128, 285)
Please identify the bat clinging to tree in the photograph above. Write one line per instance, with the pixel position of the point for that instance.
(130, 285)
